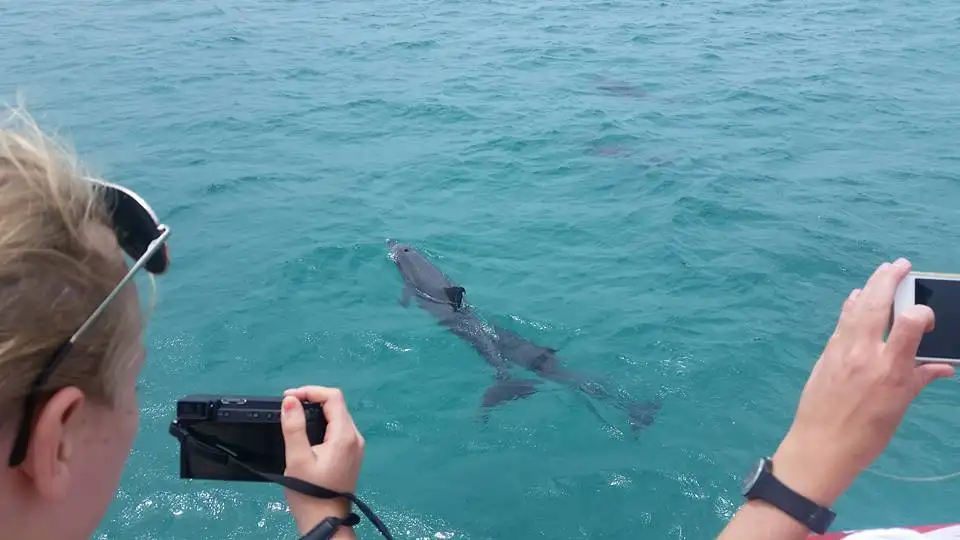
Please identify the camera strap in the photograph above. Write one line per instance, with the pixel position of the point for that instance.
(227, 457)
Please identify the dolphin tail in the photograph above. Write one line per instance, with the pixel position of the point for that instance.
(508, 390)
(542, 360)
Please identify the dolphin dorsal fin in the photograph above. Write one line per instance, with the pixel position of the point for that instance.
(455, 294)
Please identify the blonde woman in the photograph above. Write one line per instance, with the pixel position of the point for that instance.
(71, 351)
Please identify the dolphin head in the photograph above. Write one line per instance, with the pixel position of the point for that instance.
(401, 253)
(418, 272)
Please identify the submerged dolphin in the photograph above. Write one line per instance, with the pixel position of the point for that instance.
(436, 294)
(440, 297)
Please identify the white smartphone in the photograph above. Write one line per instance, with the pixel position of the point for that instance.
(942, 293)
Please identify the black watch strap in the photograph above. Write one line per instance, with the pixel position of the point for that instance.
(763, 485)
(329, 526)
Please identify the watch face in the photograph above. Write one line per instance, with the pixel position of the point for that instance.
(751, 478)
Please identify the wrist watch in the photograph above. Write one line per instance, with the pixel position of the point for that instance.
(329, 526)
(763, 485)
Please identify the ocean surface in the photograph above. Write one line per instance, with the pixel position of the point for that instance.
(677, 196)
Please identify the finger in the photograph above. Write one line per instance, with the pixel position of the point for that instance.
(843, 321)
(872, 309)
(848, 307)
(927, 373)
(339, 422)
(293, 423)
(908, 329)
(851, 300)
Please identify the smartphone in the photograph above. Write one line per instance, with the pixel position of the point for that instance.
(942, 293)
(248, 426)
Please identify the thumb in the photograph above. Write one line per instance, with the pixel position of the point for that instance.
(294, 425)
(927, 373)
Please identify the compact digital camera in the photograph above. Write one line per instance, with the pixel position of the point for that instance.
(247, 428)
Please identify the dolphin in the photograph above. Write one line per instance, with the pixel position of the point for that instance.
(439, 296)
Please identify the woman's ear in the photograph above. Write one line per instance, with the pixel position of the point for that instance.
(52, 443)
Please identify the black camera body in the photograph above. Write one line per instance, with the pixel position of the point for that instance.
(248, 427)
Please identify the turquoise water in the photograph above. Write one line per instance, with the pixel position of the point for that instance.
(676, 196)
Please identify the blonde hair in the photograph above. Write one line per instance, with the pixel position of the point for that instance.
(58, 262)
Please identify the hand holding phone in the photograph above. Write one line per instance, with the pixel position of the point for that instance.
(941, 293)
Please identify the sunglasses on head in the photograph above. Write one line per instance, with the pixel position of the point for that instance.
(144, 239)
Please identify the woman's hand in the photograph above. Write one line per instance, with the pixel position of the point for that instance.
(859, 390)
(334, 464)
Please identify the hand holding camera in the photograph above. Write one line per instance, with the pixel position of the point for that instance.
(335, 464)
(306, 442)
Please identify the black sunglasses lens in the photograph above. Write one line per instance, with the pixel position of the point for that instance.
(135, 226)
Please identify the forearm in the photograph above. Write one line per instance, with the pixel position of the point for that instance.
(345, 533)
(342, 533)
(757, 520)
(321, 511)
(805, 470)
